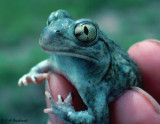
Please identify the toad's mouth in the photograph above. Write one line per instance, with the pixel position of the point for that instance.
(59, 85)
(72, 54)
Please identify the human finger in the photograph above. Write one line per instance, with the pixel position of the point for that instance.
(133, 108)
(147, 55)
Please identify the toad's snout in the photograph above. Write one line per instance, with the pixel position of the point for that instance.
(48, 36)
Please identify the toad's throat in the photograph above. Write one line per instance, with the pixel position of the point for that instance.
(72, 54)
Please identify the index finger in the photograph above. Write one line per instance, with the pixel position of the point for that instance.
(147, 55)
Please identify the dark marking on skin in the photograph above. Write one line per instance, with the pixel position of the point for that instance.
(78, 34)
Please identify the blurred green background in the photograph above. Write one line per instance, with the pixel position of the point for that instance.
(21, 22)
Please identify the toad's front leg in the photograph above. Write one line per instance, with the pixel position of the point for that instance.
(36, 74)
(65, 111)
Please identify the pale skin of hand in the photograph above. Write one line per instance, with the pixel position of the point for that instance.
(131, 107)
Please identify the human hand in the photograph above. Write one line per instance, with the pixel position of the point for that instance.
(131, 107)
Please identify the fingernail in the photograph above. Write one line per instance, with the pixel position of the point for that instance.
(149, 98)
(154, 41)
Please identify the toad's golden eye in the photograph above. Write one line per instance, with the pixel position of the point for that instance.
(85, 32)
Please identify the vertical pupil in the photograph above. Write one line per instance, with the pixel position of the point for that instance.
(85, 30)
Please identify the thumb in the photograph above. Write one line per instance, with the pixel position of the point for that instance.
(133, 108)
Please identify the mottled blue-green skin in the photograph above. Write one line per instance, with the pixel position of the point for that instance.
(100, 70)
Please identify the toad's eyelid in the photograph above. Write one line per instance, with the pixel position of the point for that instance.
(86, 21)
(85, 25)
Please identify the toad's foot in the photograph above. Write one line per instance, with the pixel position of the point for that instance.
(65, 111)
(61, 106)
(35, 78)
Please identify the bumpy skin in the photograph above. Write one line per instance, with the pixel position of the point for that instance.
(99, 69)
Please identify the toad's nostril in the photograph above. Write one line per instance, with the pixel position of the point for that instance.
(57, 31)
